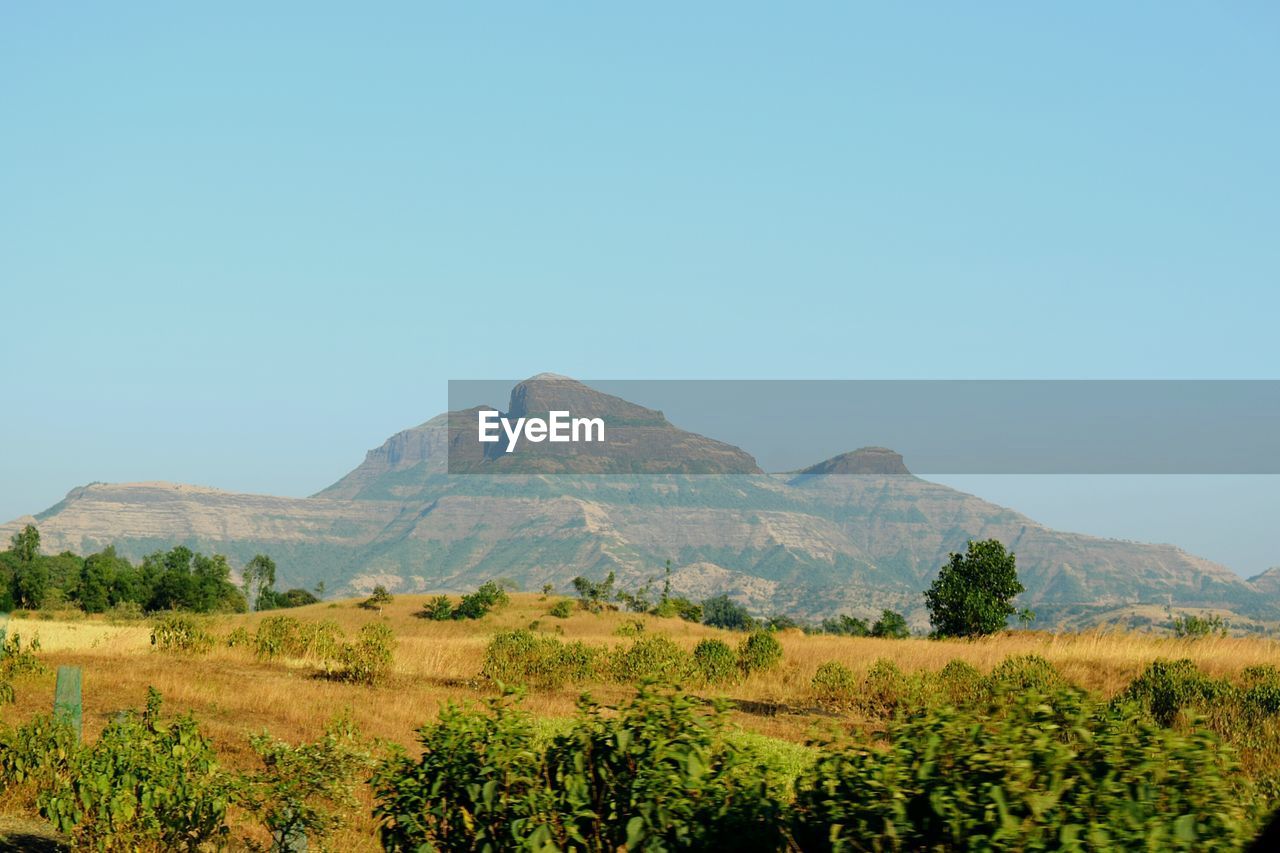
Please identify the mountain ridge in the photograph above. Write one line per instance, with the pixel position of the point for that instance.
(853, 533)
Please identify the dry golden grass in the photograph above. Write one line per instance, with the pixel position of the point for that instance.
(232, 694)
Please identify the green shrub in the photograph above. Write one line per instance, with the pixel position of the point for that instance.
(885, 689)
(722, 612)
(180, 633)
(715, 661)
(39, 751)
(1025, 672)
(1261, 690)
(143, 783)
(437, 609)
(17, 660)
(562, 609)
(845, 625)
(655, 774)
(367, 660)
(630, 628)
(303, 791)
(675, 607)
(655, 658)
(960, 683)
(277, 636)
(238, 638)
(891, 626)
(759, 652)
(522, 657)
(477, 784)
(1188, 626)
(1032, 772)
(488, 596)
(835, 685)
(1166, 687)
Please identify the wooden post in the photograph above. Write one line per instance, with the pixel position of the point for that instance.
(66, 698)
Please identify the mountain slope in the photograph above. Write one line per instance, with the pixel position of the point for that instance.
(855, 533)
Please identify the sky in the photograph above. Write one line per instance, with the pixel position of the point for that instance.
(242, 243)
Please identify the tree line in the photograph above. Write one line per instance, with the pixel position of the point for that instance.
(177, 579)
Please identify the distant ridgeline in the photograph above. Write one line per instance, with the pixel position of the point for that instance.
(177, 579)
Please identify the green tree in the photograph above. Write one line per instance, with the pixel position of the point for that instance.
(31, 585)
(890, 625)
(260, 581)
(26, 543)
(721, 612)
(973, 594)
(97, 576)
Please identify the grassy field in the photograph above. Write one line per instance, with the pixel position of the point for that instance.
(233, 694)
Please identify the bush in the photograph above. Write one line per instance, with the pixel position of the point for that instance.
(886, 689)
(277, 636)
(715, 661)
(655, 658)
(844, 625)
(379, 599)
(522, 657)
(143, 783)
(960, 683)
(368, 660)
(437, 609)
(238, 638)
(656, 774)
(477, 604)
(594, 594)
(1166, 687)
(835, 685)
(674, 606)
(1188, 626)
(891, 626)
(17, 660)
(721, 612)
(302, 791)
(475, 786)
(759, 652)
(1033, 772)
(562, 609)
(181, 634)
(1025, 672)
(630, 628)
(40, 751)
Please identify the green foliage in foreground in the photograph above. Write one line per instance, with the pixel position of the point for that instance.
(1024, 770)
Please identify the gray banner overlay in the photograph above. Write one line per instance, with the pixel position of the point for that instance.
(936, 426)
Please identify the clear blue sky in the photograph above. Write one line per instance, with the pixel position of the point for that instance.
(242, 243)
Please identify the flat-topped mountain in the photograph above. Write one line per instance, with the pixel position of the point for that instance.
(854, 533)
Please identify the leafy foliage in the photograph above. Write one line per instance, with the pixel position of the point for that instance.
(845, 625)
(973, 594)
(891, 625)
(716, 662)
(655, 774)
(304, 791)
(760, 651)
(1030, 771)
(562, 609)
(144, 782)
(835, 685)
(1188, 626)
(179, 633)
(488, 597)
(594, 594)
(722, 612)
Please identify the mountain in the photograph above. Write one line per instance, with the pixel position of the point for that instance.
(854, 533)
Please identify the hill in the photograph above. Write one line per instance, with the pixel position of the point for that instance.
(855, 533)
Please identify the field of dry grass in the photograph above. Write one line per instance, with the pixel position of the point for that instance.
(232, 694)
